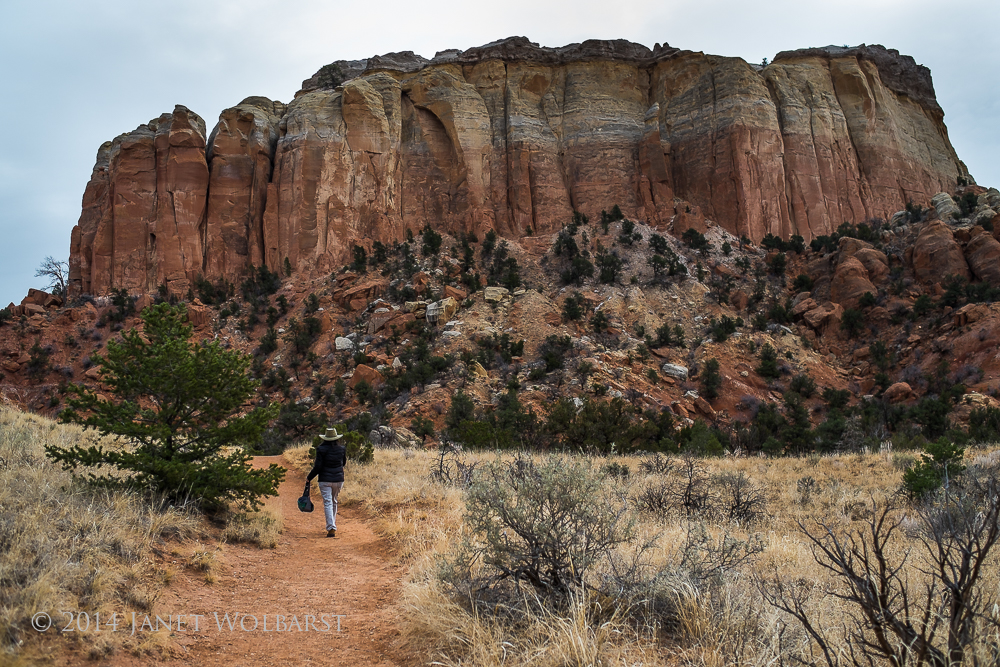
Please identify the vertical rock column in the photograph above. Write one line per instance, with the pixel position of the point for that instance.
(240, 157)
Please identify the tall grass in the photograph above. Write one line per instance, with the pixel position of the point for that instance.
(66, 547)
(720, 620)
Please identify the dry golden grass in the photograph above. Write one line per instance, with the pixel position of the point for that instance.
(726, 624)
(64, 547)
(261, 528)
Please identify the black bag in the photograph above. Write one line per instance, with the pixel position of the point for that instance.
(305, 504)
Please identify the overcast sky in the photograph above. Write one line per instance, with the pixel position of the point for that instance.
(77, 73)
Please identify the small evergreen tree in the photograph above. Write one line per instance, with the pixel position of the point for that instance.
(768, 366)
(711, 379)
(178, 404)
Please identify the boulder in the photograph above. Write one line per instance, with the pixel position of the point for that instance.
(936, 254)
(898, 392)
(379, 320)
(804, 306)
(703, 406)
(441, 311)
(983, 256)
(53, 301)
(11, 366)
(361, 294)
(343, 344)
(945, 207)
(30, 309)
(875, 262)
(495, 294)
(454, 292)
(366, 373)
(824, 318)
(850, 282)
(35, 296)
(399, 322)
(199, 315)
(675, 371)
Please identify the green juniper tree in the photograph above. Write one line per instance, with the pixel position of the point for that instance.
(181, 409)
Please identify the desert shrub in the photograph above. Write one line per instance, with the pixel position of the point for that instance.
(461, 409)
(657, 464)
(601, 427)
(724, 327)
(777, 264)
(802, 283)
(836, 398)
(867, 300)
(181, 404)
(553, 351)
(984, 424)
(852, 322)
(696, 240)
(268, 342)
(544, 525)
(430, 241)
(359, 448)
(579, 269)
(739, 499)
(940, 463)
(803, 385)
(939, 619)
(691, 488)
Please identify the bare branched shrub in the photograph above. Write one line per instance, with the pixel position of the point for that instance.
(654, 497)
(546, 525)
(691, 489)
(904, 607)
(451, 469)
(657, 465)
(704, 557)
(739, 499)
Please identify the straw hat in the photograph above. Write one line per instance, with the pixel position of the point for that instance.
(331, 434)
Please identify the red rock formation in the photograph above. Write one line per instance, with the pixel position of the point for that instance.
(983, 255)
(850, 282)
(240, 157)
(144, 210)
(512, 136)
(936, 254)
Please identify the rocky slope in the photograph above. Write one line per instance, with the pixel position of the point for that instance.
(923, 290)
(512, 137)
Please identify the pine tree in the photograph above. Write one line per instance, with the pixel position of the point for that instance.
(179, 406)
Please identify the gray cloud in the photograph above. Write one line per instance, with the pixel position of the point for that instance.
(78, 73)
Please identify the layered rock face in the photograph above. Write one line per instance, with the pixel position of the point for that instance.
(143, 220)
(514, 137)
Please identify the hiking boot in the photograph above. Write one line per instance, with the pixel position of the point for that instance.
(331, 533)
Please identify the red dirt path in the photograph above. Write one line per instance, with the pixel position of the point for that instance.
(354, 575)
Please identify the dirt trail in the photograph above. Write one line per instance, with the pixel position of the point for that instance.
(353, 576)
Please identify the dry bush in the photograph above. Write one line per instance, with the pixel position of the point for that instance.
(64, 546)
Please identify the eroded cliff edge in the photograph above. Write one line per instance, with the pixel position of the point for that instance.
(514, 137)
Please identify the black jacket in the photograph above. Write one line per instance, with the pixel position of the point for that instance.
(330, 459)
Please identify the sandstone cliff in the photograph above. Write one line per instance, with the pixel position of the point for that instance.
(514, 137)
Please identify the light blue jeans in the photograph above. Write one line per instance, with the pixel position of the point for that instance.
(330, 491)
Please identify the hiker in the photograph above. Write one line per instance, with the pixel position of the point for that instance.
(329, 466)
